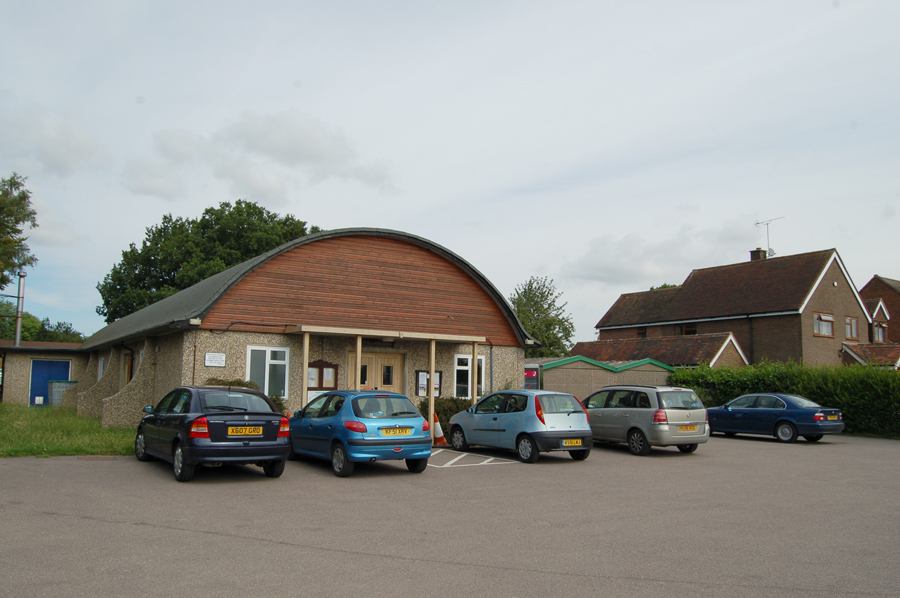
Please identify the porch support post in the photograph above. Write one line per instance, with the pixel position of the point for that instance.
(431, 360)
(358, 361)
(304, 375)
(474, 371)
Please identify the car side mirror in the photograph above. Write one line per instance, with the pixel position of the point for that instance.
(729, 408)
(147, 409)
(298, 413)
(470, 410)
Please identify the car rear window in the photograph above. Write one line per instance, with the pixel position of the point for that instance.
(384, 407)
(679, 399)
(559, 404)
(801, 402)
(232, 400)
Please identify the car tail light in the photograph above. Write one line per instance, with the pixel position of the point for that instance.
(819, 417)
(841, 416)
(706, 416)
(538, 411)
(356, 427)
(659, 417)
(284, 429)
(426, 426)
(200, 428)
(583, 409)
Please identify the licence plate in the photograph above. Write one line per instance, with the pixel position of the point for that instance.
(245, 430)
(396, 431)
(687, 428)
(832, 417)
(572, 442)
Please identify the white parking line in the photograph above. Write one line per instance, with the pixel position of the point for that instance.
(452, 462)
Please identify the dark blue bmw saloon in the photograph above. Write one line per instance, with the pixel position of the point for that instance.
(783, 416)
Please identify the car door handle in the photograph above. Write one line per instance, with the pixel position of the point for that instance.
(495, 419)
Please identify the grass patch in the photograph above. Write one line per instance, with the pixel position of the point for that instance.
(57, 431)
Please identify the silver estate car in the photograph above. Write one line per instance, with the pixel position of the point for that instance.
(527, 421)
(645, 416)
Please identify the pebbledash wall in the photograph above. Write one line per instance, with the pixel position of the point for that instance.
(179, 359)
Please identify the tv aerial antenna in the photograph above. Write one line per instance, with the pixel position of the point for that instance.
(766, 223)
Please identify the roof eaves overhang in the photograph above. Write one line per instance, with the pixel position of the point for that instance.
(714, 319)
(733, 341)
(836, 258)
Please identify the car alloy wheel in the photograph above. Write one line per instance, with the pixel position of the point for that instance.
(786, 432)
(527, 450)
(638, 444)
(458, 440)
(183, 471)
(140, 447)
(341, 465)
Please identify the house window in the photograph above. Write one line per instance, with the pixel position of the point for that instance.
(851, 328)
(101, 367)
(685, 329)
(268, 368)
(823, 325)
(464, 375)
(642, 333)
(879, 335)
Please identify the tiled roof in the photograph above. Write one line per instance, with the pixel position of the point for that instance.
(894, 284)
(755, 287)
(876, 354)
(39, 345)
(671, 350)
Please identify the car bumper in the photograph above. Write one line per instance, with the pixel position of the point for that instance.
(814, 429)
(388, 449)
(553, 441)
(236, 452)
(670, 435)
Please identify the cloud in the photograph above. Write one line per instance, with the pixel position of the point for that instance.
(53, 142)
(636, 262)
(260, 155)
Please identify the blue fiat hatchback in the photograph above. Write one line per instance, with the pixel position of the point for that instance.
(352, 426)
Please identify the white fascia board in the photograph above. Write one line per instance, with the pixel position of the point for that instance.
(733, 341)
(741, 317)
(881, 307)
(836, 257)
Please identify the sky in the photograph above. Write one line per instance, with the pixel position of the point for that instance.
(609, 146)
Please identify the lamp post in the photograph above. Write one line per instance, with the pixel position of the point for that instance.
(19, 308)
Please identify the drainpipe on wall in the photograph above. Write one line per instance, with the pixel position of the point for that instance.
(19, 308)
(492, 367)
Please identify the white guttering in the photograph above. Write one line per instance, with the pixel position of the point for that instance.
(715, 319)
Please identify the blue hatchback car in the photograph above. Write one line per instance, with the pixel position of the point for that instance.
(783, 416)
(352, 426)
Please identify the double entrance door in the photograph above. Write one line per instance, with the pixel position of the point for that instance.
(378, 371)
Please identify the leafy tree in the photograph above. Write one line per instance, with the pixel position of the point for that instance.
(15, 213)
(179, 252)
(34, 329)
(664, 285)
(535, 303)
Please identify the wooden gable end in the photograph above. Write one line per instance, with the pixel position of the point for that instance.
(362, 282)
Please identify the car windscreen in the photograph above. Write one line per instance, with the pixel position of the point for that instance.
(559, 404)
(383, 407)
(232, 400)
(679, 399)
(801, 402)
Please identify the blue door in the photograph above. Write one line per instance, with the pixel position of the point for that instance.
(43, 371)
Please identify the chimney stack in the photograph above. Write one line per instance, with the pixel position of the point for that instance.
(757, 254)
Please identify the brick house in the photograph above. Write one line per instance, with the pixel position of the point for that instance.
(888, 291)
(800, 307)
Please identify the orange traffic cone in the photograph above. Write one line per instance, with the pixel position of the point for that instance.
(439, 439)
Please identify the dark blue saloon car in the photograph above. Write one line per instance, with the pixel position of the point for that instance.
(783, 416)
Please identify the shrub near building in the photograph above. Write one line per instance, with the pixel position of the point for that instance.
(869, 397)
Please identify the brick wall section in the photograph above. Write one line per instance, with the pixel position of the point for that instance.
(123, 409)
(730, 358)
(87, 379)
(838, 301)
(88, 402)
(877, 289)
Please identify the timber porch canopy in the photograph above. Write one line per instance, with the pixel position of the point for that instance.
(358, 282)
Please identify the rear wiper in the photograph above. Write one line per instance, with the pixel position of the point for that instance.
(221, 408)
(403, 413)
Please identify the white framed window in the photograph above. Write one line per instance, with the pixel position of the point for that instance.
(878, 333)
(268, 367)
(463, 375)
(101, 367)
(823, 324)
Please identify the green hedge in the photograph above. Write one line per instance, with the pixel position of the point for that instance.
(445, 409)
(869, 397)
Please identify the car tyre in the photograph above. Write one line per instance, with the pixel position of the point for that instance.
(637, 443)
(340, 463)
(786, 432)
(140, 447)
(416, 465)
(458, 439)
(527, 449)
(274, 469)
(813, 437)
(580, 455)
(687, 448)
(183, 472)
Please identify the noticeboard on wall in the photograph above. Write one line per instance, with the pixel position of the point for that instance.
(422, 383)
